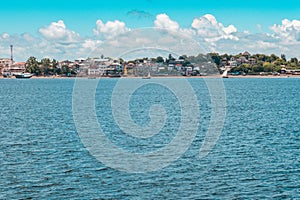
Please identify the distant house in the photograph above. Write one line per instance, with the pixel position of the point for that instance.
(116, 66)
(80, 60)
(179, 61)
(178, 67)
(4, 64)
(18, 67)
(171, 67)
(65, 63)
(233, 62)
(130, 65)
(96, 66)
(224, 62)
(246, 54)
(242, 60)
(189, 70)
(153, 66)
(252, 61)
(94, 71)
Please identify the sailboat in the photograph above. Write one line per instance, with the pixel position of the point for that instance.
(147, 69)
(148, 76)
(225, 74)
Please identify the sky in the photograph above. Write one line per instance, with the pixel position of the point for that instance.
(70, 29)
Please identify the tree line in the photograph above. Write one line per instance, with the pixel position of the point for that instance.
(47, 67)
(262, 62)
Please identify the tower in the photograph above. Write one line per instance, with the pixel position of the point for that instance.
(11, 55)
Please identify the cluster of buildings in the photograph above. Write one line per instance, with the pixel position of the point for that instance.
(138, 67)
(108, 67)
(243, 59)
(8, 66)
(104, 67)
(229, 63)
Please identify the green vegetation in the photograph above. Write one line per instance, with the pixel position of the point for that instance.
(47, 67)
(254, 64)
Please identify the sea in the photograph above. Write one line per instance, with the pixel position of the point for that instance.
(45, 154)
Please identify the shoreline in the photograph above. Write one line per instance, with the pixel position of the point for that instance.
(134, 77)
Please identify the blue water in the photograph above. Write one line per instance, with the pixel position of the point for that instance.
(257, 155)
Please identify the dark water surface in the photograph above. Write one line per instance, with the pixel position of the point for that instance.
(257, 155)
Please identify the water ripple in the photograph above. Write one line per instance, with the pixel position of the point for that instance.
(257, 156)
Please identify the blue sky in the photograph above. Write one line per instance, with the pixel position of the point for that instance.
(29, 15)
(255, 17)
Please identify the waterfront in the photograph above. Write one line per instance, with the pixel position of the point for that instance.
(257, 155)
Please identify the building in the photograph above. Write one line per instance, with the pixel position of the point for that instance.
(246, 54)
(18, 67)
(4, 64)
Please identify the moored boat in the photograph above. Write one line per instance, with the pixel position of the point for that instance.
(114, 76)
(23, 75)
(225, 74)
(147, 77)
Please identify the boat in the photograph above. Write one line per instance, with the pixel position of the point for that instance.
(114, 76)
(23, 75)
(147, 77)
(225, 74)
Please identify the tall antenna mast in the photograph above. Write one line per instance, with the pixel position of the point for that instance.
(11, 54)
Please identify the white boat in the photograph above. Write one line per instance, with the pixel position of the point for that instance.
(225, 74)
(23, 75)
(148, 76)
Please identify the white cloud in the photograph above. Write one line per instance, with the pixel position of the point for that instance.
(58, 31)
(164, 21)
(266, 45)
(57, 41)
(87, 48)
(91, 44)
(28, 37)
(230, 29)
(209, 28)
(110, 29)
(5, 36)
(288, 31)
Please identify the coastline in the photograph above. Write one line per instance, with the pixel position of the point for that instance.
(134, 77)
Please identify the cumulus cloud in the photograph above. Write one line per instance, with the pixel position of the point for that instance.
(59, 42)
(58, 31)
(288, 31)
(164, 21)
(209, 28)
(91, 44)
(88, 47)
(110, 29)
(5, 36)
(28, 37)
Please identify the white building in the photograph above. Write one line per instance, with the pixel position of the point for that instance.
(5, 62)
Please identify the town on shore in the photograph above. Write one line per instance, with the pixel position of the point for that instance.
(242, 64)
